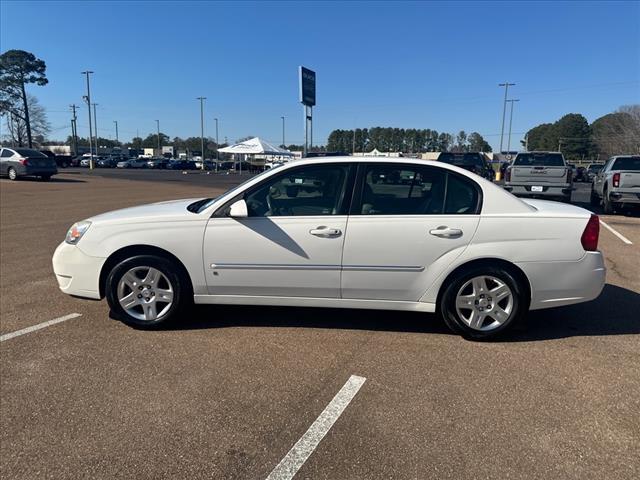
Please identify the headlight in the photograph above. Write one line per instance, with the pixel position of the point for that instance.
(76, 232)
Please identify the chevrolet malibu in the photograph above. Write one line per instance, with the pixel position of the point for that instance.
(346, 233)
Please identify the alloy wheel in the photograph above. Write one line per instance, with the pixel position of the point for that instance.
(145, 293)
(484, 303)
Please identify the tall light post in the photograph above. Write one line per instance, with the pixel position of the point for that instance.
(88, 100)
(116, 124)
(506, 86)
(202, 99)
(511, 122)
(95, 126)
(158, 130)
(217, 146)
(283, 144)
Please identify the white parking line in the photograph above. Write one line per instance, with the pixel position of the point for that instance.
(616, 233)
(304, 447)
(8, 336)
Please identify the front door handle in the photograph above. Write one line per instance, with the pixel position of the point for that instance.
(446, 232)
(325, 232)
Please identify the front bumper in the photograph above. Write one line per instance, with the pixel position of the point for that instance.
(77, 273)
(554, 284)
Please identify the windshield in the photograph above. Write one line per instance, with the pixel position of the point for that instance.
(627, 163)
(539, 160)
(228, 193)
(461, 159)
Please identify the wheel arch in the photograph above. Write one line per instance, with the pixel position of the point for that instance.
(512, 268)
(135, 250)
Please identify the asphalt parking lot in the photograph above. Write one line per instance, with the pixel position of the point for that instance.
(229, 391)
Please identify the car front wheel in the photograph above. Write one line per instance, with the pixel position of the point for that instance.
(482, 303)
(147, 291)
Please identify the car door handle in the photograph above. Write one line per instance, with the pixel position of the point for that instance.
(325, 232)
(446, 232)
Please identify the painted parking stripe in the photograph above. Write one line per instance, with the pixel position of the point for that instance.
(8, 336)
(616, 233)
(304, 447)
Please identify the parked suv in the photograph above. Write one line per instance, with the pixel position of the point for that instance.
(474, 162)
(617, 184)
(540, 174)
(19, 162)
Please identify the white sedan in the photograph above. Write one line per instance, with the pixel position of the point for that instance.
(342, 232)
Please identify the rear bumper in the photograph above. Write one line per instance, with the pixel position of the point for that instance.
(77, 273)
(547, 190)
(621, 196)
(554, 284)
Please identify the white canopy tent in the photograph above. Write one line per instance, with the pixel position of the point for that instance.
(256, 146)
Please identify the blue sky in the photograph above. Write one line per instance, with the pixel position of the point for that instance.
(402, 64)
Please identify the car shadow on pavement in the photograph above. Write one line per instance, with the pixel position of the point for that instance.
(52, 180)
(614, 312)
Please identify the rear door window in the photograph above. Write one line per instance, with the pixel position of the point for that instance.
(415, 190)
(6, 153)
(627, 163)
(539, 160)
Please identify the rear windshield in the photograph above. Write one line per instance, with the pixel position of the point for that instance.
(465, 159)
(539, 160)
(627, 163)
(27, 152)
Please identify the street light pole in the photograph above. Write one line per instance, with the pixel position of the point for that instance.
(95, 126)
(116, 122)
(506, 86)
(88, 99)
(510, 123)
(283, 144)
(202, 99)
(217, 146)
(158, 130)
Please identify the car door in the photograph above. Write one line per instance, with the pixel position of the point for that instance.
(291, 242)
(407, 223)
(598, 181)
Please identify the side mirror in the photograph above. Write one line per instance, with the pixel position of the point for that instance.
(239, 210)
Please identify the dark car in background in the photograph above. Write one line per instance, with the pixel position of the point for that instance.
(182, 165)
(108, 162)
(62, 161)
(22, 162)
(158, 163)
(471, 161)
(592, 170)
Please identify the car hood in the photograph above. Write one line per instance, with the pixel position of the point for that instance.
(154, 212)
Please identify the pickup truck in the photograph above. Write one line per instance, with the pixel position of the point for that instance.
(617, 185)
(541, 175)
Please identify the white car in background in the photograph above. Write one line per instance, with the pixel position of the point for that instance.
(342, 232)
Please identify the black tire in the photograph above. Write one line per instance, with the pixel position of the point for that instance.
(65, 164)
(594, 199)
(448, 311)
(13, 175)
(182, 294)
(607, 205)
(45, 178)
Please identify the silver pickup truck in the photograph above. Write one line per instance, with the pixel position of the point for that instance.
(541, 175)
(617, 185)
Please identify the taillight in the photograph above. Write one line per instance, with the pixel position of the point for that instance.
(507, 175)
(24, 161)
(590, 235)
(616, 180)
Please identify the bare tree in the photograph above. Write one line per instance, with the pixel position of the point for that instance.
(618, 133)
(17, 131)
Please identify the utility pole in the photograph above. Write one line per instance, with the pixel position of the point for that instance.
(88, 100)
(353, 148)
(217, 145)
(116, 122)
(510, 122)
(283, 144)
(95, 126)
(74, 129)
(202, 99)
(506, 86)
(158, 130)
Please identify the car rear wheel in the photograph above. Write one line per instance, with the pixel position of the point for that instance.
(482, 303)
(45, 178)
(13, 175)
(147, 291)
(607, 205)
(594, 198)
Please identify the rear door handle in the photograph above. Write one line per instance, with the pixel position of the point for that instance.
(325, 232)
(445, 232)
